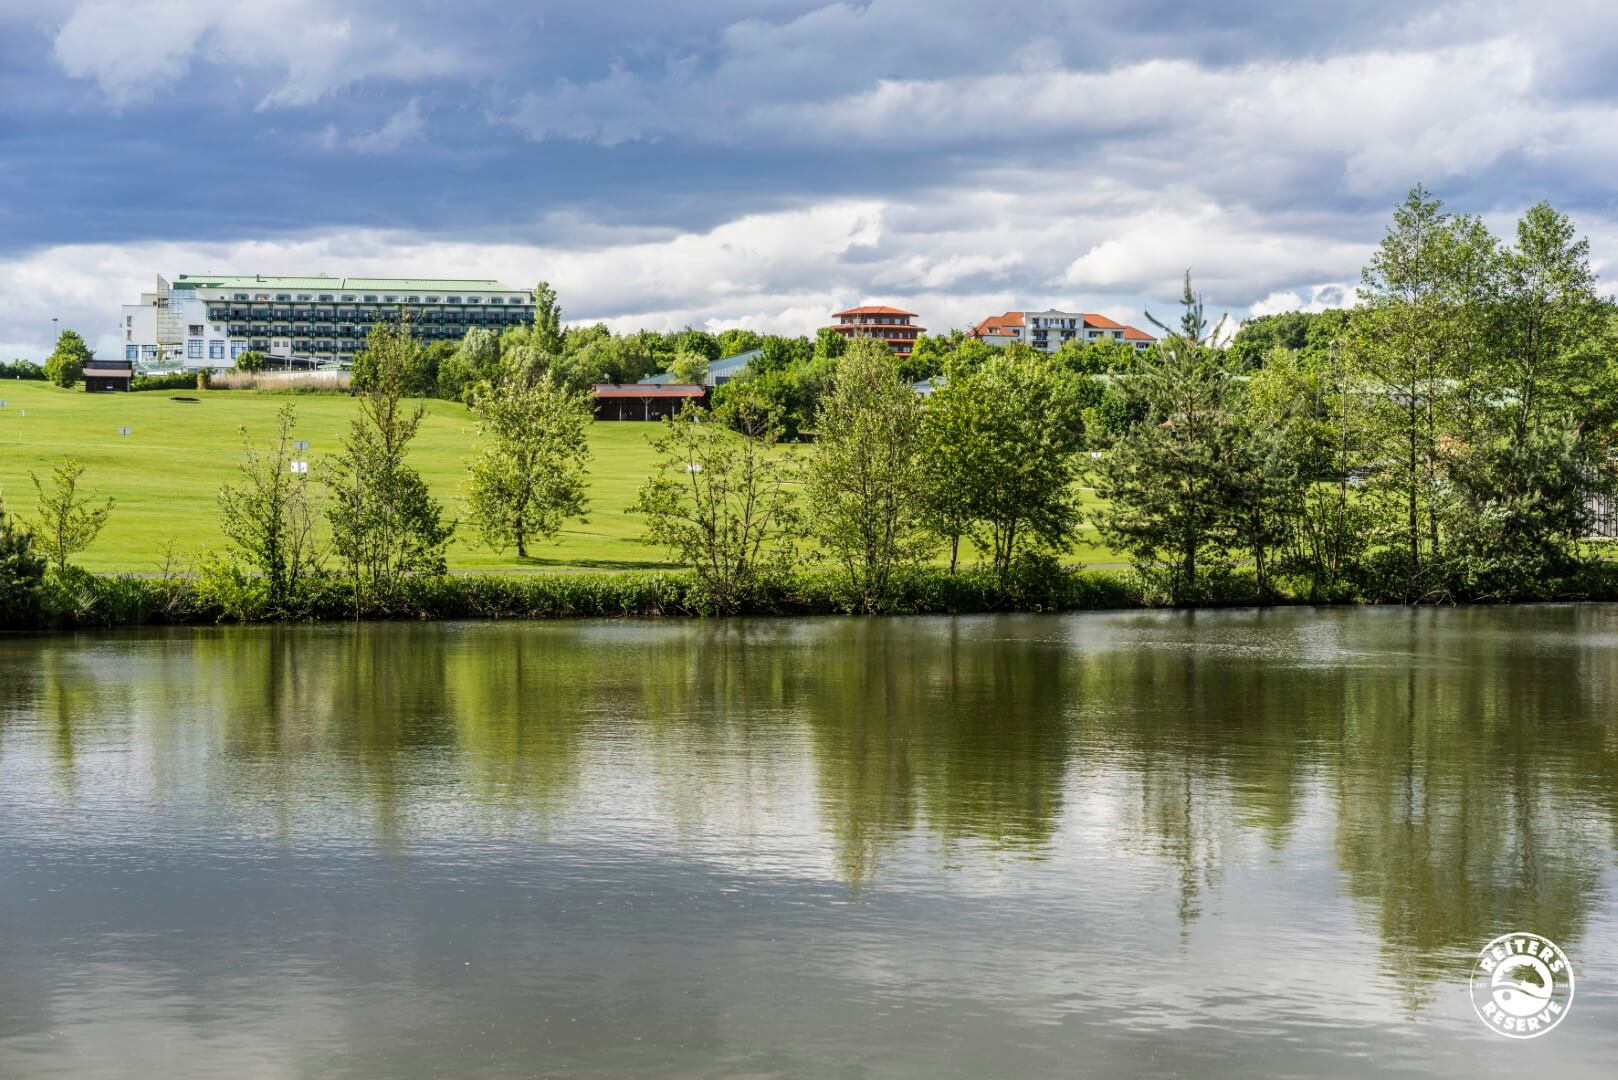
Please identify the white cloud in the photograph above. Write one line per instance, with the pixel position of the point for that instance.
(134, 49)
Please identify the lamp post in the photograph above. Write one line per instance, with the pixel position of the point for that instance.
(54, 321)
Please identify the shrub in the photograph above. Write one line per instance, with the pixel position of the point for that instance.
(22, 574)
(180, 380)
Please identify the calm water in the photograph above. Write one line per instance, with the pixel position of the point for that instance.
(1234, 844)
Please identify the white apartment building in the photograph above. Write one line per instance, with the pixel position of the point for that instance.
(208, 320)
(1048, 330)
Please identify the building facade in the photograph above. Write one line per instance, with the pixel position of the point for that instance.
(1049, 330)
(200, 321)
(891, 324)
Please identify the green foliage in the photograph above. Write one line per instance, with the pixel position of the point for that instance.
(546, 335)
(252, 360)
(179, 380)
(22, 369)
(528, 476)
(866, 472)
(1001, 443)
(736, 341)
(475, 363)
(721, 503)
(67, 520)
(65, 365)
(386, 527)
(22, 573)
(269, 519)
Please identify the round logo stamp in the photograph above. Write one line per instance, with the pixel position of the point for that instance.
(1522, 985)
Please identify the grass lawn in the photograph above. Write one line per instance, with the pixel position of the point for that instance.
(183, 445)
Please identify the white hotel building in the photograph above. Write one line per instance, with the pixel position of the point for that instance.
(207, 320)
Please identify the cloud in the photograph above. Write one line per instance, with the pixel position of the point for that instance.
(134, 49)
(404, 126)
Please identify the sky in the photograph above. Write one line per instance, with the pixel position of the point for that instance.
(763, 164)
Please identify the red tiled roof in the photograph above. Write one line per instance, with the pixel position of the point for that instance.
(1101, 322)
(648, 390)
(1131, 334)
(997, 325)
(873, 309)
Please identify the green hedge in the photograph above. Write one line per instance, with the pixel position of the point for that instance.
(183, 380)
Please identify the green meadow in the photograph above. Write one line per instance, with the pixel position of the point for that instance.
(184, 445)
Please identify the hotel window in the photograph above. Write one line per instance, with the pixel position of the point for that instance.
(370, 299)
(303, 296)
(325, 298)
(390, 299)
(241, 296)
(412, 299)
(283, 296)
(348, 299)
(148, 351)
(196, 330)
(129, 320)
(216, 350)
(237, 348)
(131, 352)
(452, 299)
(432, 299)
(193, 349)
(474, 299)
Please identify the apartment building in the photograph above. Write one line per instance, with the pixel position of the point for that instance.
(209, 320)
(891, 324)
(1048, 330)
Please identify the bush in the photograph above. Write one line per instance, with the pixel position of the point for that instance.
(180, 380)
(22, 574)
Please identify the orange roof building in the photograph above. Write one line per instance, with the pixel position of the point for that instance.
(891, 324)
(1048, 330)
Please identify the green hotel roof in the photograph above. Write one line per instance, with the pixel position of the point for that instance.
(323, 281)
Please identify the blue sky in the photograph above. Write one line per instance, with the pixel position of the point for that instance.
(762, 164)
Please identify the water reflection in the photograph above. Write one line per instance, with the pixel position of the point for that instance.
(591, 796)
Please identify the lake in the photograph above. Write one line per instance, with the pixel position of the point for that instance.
(1245, 844)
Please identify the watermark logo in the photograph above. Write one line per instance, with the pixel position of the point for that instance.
(1522, 985)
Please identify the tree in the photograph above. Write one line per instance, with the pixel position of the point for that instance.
(721, 500)
(68, 521)
(546, 335)
(1167, 482)
(528, 476)
(270, 517)
(1008, 432)
(65, 365)
(386, 526)
(689, 367)
(1397, 350)
(22, 573)
(475, 362)
(865, 475)
(252, 360)
(736, 341)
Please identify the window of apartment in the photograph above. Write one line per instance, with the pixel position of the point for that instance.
(131, 352)
(237, 348)
(370, 299)
(195, 329)
(452, 299)
(216, 350)
(193, 349)
(390, 299)
(285, 296)
(474, 299)
(129, 320)
(148, 351)
(303, 296)
(348, 299)
(241, 296)
(412, 299)
(325, 298)
(432, 299)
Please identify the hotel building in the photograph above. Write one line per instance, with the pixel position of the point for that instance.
(209, 320)
(891, 324)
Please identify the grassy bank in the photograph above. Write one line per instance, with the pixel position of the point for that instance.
(184, 444)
